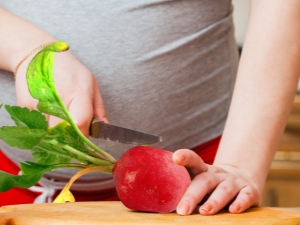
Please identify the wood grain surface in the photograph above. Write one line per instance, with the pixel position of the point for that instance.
(91, 213)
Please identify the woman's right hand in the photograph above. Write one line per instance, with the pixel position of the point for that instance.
(76, 86)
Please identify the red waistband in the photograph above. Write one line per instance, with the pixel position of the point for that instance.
(208, 150)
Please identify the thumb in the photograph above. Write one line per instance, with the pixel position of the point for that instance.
(81, 110)
(189, 159)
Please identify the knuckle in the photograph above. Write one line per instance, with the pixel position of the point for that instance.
(214, 169)
(204, 178)
(225, 189)
(250, 195)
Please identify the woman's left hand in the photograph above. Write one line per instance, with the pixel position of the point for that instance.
(221, 184)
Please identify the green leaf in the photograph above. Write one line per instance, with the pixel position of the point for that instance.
(8, 181)
(23, 117)
(66, 134)
(51, 148)
(1, 106)
(43, 157)
(21, 137)
(32, 167)
(48, 157)
(41, 82)
(41, 86)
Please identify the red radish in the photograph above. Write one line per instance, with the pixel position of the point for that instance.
(147, 179)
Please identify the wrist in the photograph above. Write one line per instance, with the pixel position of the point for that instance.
(21, 36)
(30, 55)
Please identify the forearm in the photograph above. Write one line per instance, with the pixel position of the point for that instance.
(265, 87)
(18, 38)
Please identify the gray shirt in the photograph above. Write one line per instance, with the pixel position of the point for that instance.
(164, 66)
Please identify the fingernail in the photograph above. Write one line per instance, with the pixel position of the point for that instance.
(180, 157)
(235, 208)
(206, 208)
(183, 209)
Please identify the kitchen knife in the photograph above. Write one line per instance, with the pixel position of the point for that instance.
(99, 129)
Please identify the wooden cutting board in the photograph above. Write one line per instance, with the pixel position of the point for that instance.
(90, 213)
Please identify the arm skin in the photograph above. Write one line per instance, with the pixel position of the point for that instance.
(265, 88)
(20, 38)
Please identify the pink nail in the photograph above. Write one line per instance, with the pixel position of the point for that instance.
(180, 157)
(236, 207)
(206, 208)
(183, 209)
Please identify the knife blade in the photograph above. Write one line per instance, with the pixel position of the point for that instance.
(110, 132)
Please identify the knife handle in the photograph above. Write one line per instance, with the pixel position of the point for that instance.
(94, 128)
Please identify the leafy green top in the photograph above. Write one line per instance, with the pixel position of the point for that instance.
(52, 148)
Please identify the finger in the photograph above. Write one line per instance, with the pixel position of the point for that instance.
(190, 160)
(247, 197)
(81, 110)
(220, 197)
(98, 105)
(201, 185)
